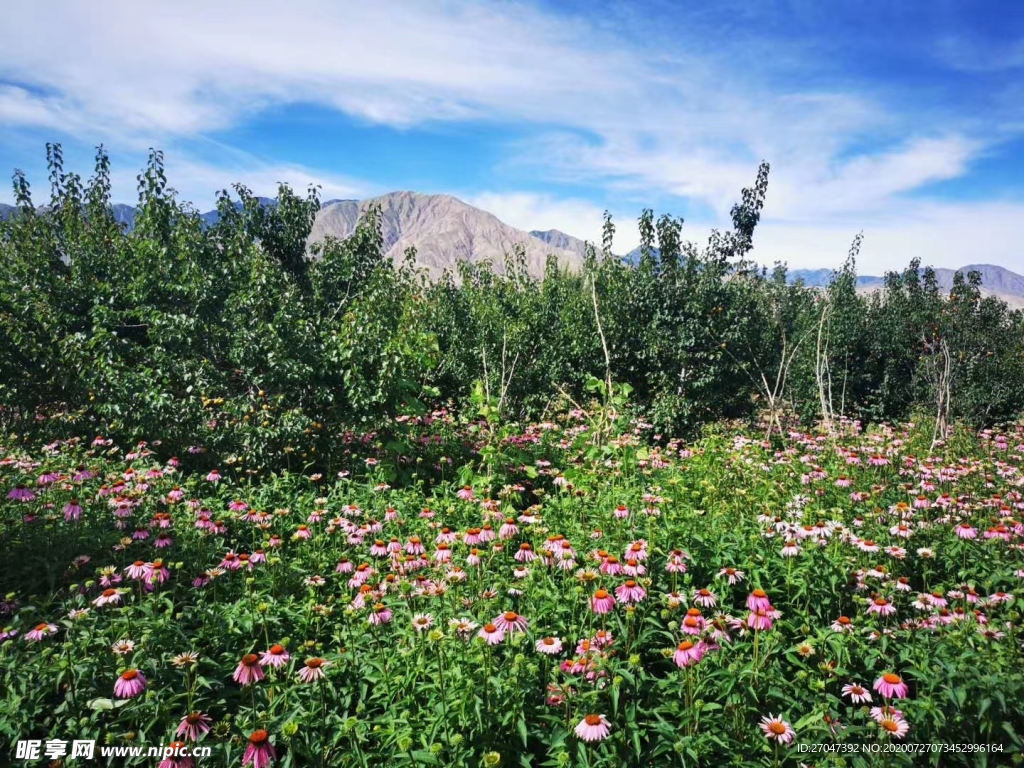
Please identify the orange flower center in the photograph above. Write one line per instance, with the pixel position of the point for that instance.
(490, 628)
(760, 593)
(892, 679)
(601, 594)
(259, 737)
(277, 650)
(131, 674)
(630, 583)
(592, 719)
(777, 728)
(250, 659)
(510, 616)
(685, 645)
(314, 663)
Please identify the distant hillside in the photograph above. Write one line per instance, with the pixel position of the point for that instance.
(562, 241)
(444, 231)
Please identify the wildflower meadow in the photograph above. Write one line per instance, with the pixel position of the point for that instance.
(579, 598)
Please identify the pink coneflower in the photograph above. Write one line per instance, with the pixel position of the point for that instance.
(277, 656)
(621, 512)
(843, 624)
(509, 529)
(137, 570)
(858, 694)
(20, 493)
(415, 546)
(893, 726)
(108, 597)
(525, 553)
(676, 562)
(39, 632)
(637, 550)
(72, 511)
(193, 726)
(688, 652)
(593, 728)
(464, 627)
(259, 752)
(231, 562)
(758, 600)
(157, 572)
(966, 531)
(302, 533)
(313, 670)
(602, 602)
(380, 614)
(422, 621)
(891, 686)
(705, 598)
(791, 549)
(777, 729)
(734, 576)
(761, 619)
(510, 622)
(611, 566)
(550, 646)
(693, 623)
(630, 592)
(882, 607)
(492, 633)
(248, 670)
(214, 477)
(130, 684)
(123, 647)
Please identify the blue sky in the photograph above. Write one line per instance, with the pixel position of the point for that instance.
(902, 120)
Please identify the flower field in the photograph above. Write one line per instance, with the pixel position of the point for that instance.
(568, 597)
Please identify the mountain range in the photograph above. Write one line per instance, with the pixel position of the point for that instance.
(446, 230)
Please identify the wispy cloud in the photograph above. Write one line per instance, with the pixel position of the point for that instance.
(198, 182)
(580, 218)
(972, 55)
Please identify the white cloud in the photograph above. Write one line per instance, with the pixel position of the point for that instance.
(579, 218)
(198, 182)
(946, 235)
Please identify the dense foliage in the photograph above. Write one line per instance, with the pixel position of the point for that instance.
(232, 338)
